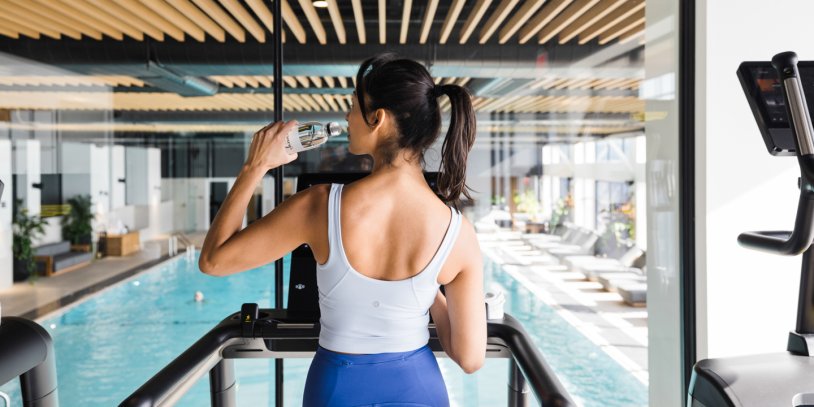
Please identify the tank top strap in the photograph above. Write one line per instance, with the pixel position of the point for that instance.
(334, 231)
(437, 262)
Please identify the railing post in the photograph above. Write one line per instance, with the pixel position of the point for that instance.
(222, 384)
(518, 388)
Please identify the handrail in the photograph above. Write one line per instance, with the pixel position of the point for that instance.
(275, 326)
(27, 352)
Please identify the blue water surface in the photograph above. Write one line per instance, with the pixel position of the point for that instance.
(110, 344)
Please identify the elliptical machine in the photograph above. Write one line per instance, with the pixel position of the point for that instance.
(776, 94)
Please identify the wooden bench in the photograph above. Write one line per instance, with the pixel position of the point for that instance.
(57, 258)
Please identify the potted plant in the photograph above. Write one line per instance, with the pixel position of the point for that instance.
(76, 225)
(620, 231)
(26, 229)
(561, 213)
(527, 203)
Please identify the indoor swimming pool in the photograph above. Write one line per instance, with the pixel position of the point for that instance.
(111, 343)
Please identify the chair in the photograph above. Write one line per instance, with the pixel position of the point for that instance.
(634, 294)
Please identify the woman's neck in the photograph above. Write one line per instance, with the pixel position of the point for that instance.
(402, 163)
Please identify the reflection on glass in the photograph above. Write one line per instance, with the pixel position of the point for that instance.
(154, 123)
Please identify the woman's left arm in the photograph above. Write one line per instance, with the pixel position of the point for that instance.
(227, 249)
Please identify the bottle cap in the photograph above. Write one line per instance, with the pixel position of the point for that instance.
(334, 129)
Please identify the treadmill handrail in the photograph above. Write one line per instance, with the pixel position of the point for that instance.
(27, 352)
(160, 386)
(542, 380)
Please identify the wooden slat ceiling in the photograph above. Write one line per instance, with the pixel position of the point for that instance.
(328, 82)
(474, 22)
(521, 22)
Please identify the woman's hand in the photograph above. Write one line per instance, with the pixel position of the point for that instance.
(267, 150)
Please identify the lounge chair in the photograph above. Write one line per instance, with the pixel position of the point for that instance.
(610, 281)
(586, 247)
(633, 257)
(575, 239)
(634, 294)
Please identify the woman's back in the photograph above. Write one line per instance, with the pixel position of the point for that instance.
(391, 227)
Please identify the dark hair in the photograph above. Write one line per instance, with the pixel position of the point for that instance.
(406, 90)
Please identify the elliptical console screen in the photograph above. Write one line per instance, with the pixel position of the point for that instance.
(765, 95)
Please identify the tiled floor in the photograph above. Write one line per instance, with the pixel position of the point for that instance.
(33, 300)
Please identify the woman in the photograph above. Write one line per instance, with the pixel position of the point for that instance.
(383, 244)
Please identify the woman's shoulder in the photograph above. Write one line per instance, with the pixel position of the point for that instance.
(311, 197)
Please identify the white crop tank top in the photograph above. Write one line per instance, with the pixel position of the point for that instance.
(360, 314)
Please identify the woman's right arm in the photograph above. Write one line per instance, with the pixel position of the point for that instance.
(460, 317)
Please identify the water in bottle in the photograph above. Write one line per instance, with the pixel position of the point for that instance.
(310, 135)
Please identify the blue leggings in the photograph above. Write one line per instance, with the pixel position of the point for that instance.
(403, 379)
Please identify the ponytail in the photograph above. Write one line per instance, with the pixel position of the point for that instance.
(457, 144)
(405, 88)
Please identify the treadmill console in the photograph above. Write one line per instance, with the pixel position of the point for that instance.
(765, 95)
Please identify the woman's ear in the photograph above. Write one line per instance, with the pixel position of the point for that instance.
(379, 118)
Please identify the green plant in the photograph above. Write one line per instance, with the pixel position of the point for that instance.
(26, 229)
(76, 225)
(527, 203)
(561, 212)
(620, 229)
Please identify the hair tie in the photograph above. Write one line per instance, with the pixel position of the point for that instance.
(437, 90)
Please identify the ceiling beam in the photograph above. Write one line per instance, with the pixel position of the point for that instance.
(128, 58)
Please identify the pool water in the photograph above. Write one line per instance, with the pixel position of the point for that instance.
(110, 344)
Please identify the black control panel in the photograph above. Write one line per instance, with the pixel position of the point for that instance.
(765, 95)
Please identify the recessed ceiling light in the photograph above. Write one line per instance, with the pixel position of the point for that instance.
(320, 4)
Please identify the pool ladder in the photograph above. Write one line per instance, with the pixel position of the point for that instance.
(173, 244)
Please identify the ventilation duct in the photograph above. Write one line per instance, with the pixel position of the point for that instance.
(165, 79)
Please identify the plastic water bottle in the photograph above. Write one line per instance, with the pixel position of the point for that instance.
(310, 135)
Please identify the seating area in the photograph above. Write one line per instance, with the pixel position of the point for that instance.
(571, 250)
(57, 257)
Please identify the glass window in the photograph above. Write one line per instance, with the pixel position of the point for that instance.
(154, 124)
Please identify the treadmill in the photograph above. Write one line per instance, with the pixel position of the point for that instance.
(293, 332)
(777, 93)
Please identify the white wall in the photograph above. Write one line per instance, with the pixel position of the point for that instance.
(27, 163)
(117, 173)
(6, 257)
(52, 232)
(153, 175)
(747, 299)
(187, 196)
(136, 167)
(100, 178)
(143, 209)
